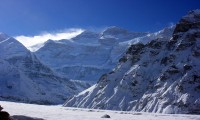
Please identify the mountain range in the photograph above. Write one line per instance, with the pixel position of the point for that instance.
(137, 71)
(91, 54)
(61, 68)
(161, 76)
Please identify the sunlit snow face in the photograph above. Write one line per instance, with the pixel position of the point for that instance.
(33, 40)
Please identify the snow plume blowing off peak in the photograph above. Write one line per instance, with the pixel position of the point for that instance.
(33, 43)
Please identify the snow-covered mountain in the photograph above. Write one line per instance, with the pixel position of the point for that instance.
(24, 78)
(90, 54)
(160, 76)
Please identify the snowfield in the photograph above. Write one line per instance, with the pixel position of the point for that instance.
(66, 113)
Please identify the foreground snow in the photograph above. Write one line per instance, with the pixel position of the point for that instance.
(66, 113)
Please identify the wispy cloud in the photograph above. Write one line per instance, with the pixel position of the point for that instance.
(63, 34)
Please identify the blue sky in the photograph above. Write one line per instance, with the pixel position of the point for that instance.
(31, 17)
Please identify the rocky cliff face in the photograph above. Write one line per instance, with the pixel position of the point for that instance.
(160, 76)
(24, 78)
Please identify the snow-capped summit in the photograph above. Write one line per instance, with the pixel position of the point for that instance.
(120, 34)
(191, 20)
(113, 30)
(86, 37)
(3, 36)
(24, 78)
(9, 47)
(160, 76)
(192, 16)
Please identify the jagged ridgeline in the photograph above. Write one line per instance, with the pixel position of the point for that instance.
(160, 76)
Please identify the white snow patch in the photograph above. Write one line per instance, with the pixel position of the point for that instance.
(66, 113)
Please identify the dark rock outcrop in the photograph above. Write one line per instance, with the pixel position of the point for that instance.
(106, 116)
(4, 115)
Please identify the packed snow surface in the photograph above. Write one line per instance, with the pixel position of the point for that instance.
(66, 113)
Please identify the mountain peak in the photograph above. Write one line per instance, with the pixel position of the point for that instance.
(192, 16)
(120, 34)
(50, 41)
(3, 36)
(86, 34)
(188, 22)
(114, 30)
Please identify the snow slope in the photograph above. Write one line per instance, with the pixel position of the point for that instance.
(24, 78)
(161, 76)
(90, 54)
(65, 113)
